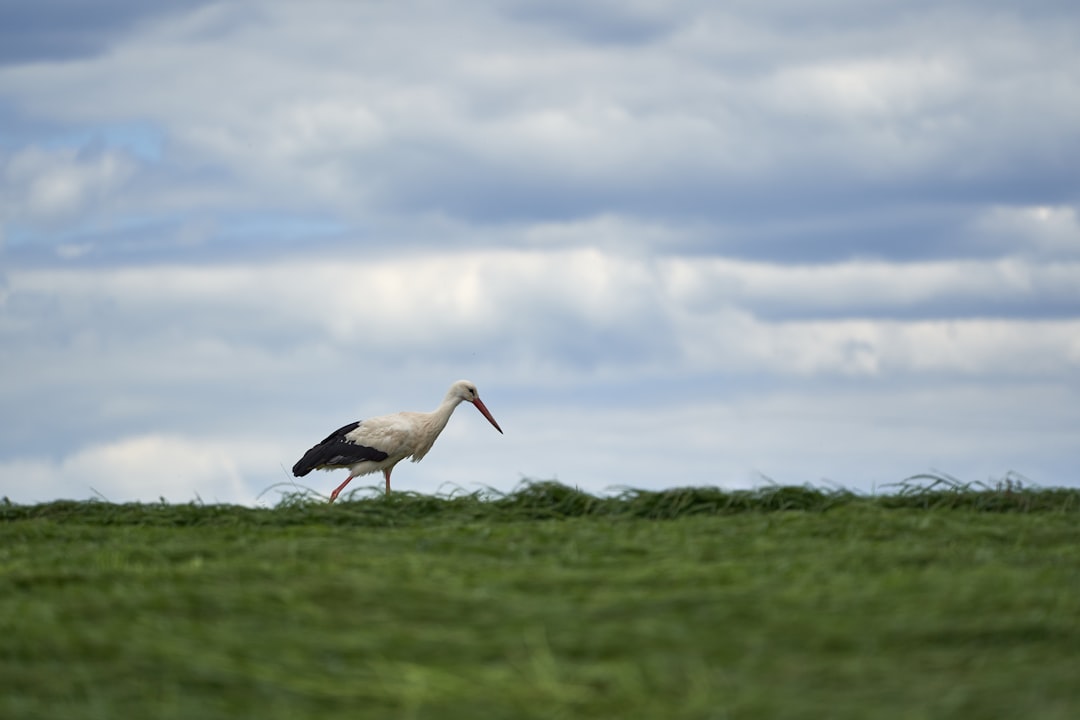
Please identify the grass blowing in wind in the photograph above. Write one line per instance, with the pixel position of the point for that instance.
(552, 500)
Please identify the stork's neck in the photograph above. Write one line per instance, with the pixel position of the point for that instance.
(441, 415)
(433, 424)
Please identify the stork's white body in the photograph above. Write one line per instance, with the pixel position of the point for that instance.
(380, 443)
(401, 435)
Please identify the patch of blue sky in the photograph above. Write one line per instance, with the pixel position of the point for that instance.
(141, 140)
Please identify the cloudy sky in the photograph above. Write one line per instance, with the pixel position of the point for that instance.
(673, 243)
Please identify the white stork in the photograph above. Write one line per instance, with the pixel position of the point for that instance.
(382, 442)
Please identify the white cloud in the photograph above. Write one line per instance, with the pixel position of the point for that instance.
(47, 186)
(141, 467)
(859, 287)
(1052, 230)
(704, 315)
(852, 90)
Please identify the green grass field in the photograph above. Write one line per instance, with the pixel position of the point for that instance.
(933, 602)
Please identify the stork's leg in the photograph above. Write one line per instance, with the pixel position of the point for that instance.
(386, 472)
(339, 488)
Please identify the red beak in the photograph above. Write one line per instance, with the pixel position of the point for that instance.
(484, 411)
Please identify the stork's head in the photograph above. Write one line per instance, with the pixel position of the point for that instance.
(465, 390)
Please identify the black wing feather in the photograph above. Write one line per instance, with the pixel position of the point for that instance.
(335, 449)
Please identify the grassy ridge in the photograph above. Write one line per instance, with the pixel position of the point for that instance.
(549, 500)
(939, 600)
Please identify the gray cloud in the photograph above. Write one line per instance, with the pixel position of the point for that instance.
(63, 30)
(877, 130)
